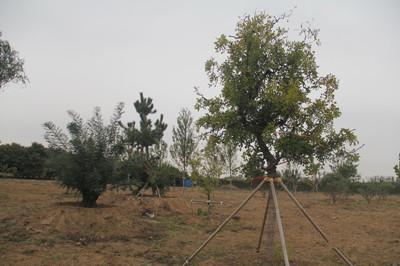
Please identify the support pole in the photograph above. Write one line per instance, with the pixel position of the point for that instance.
(263, 225)
(278, 218)
(314, 224)
(270, 231)
(304, 212)
(225, 222)
(342, 256)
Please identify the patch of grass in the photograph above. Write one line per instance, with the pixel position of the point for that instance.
(27, 251)
(393, 205)
(361, 202)
(6, 226)
(122, 238)
(279, 253)
(74, 237)
(201, 213)
(71, 195)
(4, 197)
(46, 241)
(17, 235)
(74, 258)
(56, 257)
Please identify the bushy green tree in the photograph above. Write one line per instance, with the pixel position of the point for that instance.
(342, 181)
(11, 66)
(164, 175)
(383, 186)
(334, 185)
(367, 191)
(87, 161)
(348, 170)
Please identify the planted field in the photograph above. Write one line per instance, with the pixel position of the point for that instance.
(41, 224)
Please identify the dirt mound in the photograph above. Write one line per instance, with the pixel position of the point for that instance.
(123, 213)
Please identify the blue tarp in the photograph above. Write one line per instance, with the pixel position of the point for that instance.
(188, 183)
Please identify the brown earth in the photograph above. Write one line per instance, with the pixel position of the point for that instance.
(40, 224)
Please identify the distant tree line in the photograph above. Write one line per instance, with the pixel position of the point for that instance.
(18, 161)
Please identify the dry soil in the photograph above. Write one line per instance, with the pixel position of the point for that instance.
(41, 224)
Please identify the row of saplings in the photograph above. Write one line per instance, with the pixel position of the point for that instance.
(376, 187)
(342, 182)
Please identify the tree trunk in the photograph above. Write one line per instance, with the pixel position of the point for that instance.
(89, 199)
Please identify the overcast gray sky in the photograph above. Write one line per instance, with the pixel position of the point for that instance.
(82, 54)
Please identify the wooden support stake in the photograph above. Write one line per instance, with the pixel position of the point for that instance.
(342, 256)
(143, 189)
(278, 218)
(304, 212)
(262, 226)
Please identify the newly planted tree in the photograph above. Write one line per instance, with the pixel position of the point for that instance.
(184, 141)
(335, 186)
(207, 167)
(86, 161)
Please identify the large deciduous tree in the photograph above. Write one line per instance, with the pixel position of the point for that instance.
(87, 161)
(184, 140)
(11, 66)
(272, 100)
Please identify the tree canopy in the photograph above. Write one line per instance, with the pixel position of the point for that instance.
(272, 101)
(11, 66)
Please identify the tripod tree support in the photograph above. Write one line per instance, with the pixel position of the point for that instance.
(225, 222)
(278, 219)
(275, 201)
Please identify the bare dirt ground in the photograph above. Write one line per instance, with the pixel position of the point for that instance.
(42, 225)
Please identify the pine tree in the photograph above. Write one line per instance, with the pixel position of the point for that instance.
(139, 143)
